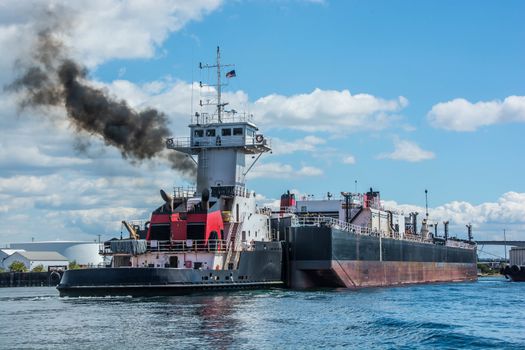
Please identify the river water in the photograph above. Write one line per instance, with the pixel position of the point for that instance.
(489, 313)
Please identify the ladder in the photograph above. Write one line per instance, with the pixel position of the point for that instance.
(232, 234)
(235, 242)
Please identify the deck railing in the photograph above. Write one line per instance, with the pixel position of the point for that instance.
(188, 245)
(319, 221)
(217, 141)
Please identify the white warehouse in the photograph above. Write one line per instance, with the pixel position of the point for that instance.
(84, 253)
(33, 259)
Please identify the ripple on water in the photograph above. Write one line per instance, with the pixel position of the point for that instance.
(444, 316)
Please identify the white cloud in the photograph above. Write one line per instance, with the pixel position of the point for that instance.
(407, 151)
(348, 159)
(322, 110)
(309, 171)
(98, 30)
(488, 219)
(281, 171)
(308, 143)
(462, 115)
(328, 110)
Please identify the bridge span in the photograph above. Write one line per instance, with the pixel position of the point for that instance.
(507, 243)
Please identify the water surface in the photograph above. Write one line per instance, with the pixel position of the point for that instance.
(489, 313)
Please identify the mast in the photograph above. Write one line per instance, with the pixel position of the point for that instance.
(219, 104)
(219, 107)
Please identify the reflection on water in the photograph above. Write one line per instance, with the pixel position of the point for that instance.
(462, 315)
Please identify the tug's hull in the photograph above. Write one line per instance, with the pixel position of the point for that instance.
(256, 269)
(323, 256)
(515, 273)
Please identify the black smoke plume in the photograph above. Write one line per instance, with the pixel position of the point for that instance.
(51, 78)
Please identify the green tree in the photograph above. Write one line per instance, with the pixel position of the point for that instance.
(1, 270)
(73, 265)
(484, 268)
(38, 268)
(17, 266)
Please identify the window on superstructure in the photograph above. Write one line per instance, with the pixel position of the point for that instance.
(198, 133)
(210, 132)
(237, 132)
(226, 132)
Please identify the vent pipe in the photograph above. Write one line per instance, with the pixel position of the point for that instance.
(414, 221)
(469, 231)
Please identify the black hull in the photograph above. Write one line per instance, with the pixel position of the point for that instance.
(324, 256)
(257, 269)
(515, 273)
(168, 290)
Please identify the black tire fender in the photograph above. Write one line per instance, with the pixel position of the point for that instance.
(54, 278)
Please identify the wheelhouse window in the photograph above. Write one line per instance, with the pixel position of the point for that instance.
(226, 132)
(160, 232)
(198, 133)
(210, 132)
(237, 132)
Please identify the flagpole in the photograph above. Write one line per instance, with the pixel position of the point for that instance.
(219, 107)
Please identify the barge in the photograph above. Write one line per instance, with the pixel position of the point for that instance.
(214, 237)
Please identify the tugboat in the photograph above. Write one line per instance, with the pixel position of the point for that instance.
(515, 273)
(515, 270)
(212, 237)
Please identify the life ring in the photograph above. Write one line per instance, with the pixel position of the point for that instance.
(259, 138)
(169, 142)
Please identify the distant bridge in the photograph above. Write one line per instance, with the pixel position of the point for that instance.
(509, 243)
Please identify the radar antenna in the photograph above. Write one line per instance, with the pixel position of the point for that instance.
(220, 105)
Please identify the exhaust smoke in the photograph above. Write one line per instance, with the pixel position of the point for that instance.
(50, 78)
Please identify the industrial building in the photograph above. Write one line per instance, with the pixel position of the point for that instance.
(5, 253)
(33, 259)
(517, 256)
(85, 253)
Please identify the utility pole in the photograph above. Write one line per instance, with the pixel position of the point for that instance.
(505, 244)
(426, 204)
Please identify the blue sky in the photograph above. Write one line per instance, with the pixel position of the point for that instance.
(414, 95)
(428, 52)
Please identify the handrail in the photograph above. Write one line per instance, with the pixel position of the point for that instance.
(227, 117)
(211, 245)
(217, 141)
(318, 221)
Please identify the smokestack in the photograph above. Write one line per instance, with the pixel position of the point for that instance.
(205, 199)
(445, 224)
(435, 229)
(50, 78)
(469, 232)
